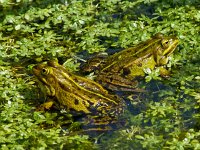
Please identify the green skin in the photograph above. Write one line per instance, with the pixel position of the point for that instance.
(117, 72)
(75, 93)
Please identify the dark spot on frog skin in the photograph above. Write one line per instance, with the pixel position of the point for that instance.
(76, 102)
(126, 71)
(139, 64)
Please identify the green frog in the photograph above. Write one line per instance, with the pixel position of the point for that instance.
(118, 71)
(76, 94)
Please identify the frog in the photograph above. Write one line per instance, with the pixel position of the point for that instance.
(122, 70)
(76, 94)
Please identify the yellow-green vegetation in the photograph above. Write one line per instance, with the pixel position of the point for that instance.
(31, 32)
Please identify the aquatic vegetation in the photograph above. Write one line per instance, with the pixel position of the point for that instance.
(36, 31)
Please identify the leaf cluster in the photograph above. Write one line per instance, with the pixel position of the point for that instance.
(32, 31)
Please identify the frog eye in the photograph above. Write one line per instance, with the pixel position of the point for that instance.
(44, 71)
(165, 43)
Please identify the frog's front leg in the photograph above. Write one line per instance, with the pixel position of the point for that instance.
(164, 72)
(45, 106)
